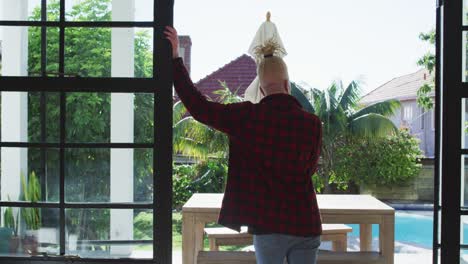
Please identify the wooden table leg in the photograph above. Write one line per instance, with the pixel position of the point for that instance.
(188, 238)
(213, 246)
(365, 233)
(340, 245)
(199, 233)
(192, 238)
(387, 238)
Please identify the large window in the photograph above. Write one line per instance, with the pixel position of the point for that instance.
(85, 140)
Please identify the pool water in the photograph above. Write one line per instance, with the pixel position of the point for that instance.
(413, 228)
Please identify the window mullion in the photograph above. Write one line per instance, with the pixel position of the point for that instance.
(62, 129)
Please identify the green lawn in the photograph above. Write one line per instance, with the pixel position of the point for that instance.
(177, 235)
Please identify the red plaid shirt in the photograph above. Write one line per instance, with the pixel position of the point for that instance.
(273, 151)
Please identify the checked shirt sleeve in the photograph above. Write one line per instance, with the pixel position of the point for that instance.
(224, 117)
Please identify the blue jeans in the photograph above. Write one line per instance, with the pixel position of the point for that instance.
(273, 248)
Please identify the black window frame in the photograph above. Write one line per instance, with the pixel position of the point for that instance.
(450, 91)
(159, 85)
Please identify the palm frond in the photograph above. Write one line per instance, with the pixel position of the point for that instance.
(226, 96)
(318, 101)
(385, 108)
(197, 140)
(372, 126)
(335, 87)
(301, 98)
(327, 99)
(178, 112)
(350, 97)
(191, 148)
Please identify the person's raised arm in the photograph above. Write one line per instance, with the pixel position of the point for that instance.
(224, 117)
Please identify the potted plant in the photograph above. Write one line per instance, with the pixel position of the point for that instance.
(31, 216)
(12, 223)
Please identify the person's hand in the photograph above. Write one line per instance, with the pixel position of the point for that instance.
(171, 35)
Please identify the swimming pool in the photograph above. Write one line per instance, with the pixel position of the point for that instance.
(411, 227)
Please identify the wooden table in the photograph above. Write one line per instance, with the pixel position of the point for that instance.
(364, 210)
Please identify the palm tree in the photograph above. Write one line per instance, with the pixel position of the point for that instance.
(343, 118)
(194, 139)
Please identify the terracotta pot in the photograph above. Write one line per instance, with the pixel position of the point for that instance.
(14, 244)
(30, 242)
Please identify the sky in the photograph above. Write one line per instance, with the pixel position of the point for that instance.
(368, 40)
(371, 41)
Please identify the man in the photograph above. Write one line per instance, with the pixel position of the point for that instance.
(273, 151)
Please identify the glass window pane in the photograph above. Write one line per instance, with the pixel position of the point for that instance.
(144, 118)
(439, 228)
(88, 117)
(106, 52)
(109, 233)
(14, 59)
(107, 10)
(43, 114)
(22, 119)
(109, 175)
(52, 51)
(464, 121)
(464, 180)
(27, 10)
(88, 52)
(465, 12)
(30, 117)
(21, 56)
(463, 256)
(464, 57)
(29, 231)
(105, 117)
(38, 168)
(464, 230)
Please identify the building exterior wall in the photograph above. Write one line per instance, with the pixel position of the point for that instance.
(420, 189)
(420, 124)
(185, 51)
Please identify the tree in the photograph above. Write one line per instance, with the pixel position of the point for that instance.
(87, 172)
(209, 146)
(428, 61)
(343, 118)
(195, 139)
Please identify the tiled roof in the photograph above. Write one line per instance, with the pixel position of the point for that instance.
(238, 74)
(401, 88)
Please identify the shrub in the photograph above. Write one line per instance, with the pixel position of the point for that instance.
(394, 160)
(181, 180)
(143, 224)
(211, 176)
(205, 177)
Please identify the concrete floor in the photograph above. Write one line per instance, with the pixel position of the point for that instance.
(400, 258)
(404, 253)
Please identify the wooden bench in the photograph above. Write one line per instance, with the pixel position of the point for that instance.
(324, 257)
(222, 236)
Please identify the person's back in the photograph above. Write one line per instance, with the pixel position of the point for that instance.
(274, 150)
(271, 165)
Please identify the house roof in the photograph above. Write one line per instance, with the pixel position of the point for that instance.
(238, 74)
(402, 88)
